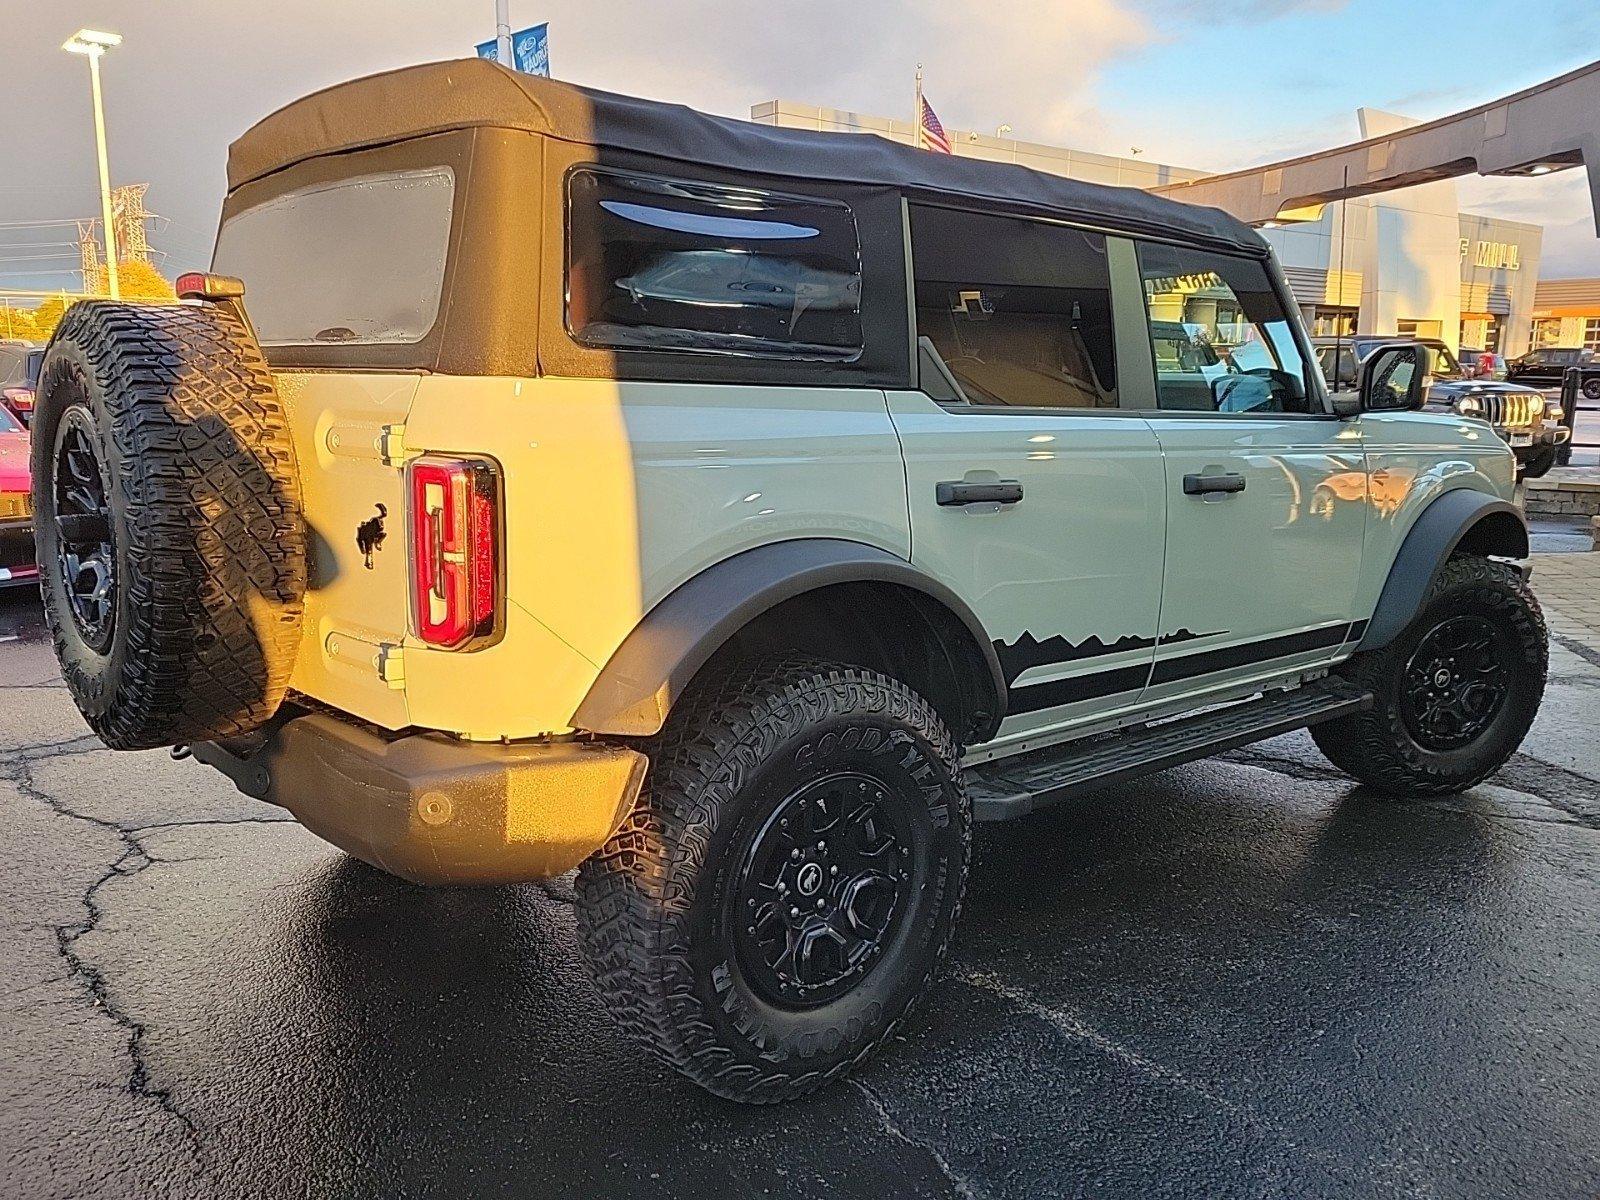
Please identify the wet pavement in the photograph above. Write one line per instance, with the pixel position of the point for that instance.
(1240, 978)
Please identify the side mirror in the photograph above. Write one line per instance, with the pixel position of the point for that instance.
(1393, 377)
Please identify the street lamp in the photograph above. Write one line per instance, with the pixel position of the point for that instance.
(91, 43)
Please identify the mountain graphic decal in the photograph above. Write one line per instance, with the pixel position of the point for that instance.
(1028, 651)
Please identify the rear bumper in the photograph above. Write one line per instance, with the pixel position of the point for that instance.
(436, 810)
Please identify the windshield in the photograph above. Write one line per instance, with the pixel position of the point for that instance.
(8, 423)
(1440, 361)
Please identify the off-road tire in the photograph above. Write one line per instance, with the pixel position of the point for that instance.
(201, 506)
(1378, 747)
(653, 903)
(1538, 464)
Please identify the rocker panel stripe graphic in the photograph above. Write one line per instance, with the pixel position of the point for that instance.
(1038, 696)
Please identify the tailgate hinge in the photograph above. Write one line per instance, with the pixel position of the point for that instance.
(392, 445)
(391, 663)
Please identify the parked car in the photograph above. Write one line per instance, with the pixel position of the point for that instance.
(1481, 364)
(1528, 421)
(1548, 365)
(16, 505)
(744, 606)
(19, 377)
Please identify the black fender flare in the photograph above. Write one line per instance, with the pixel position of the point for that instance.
(644, 677)
(1494, 527)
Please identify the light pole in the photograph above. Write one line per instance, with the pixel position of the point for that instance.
(91, 43)
(502, 33)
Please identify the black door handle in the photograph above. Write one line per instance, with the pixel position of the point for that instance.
(1004, 491)
(1204, 485)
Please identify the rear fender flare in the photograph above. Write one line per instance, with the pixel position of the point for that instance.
(656, 661)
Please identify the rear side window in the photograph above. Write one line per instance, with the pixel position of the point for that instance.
(667, 265)
(357, 261)
(1018, 311)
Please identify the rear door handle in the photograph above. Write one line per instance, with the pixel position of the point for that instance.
(1204, 485)
(957, 492)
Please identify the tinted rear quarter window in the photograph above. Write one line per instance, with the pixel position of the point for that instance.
(670, 265)
(357, 261)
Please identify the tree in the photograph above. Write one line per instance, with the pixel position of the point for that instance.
(138, 280)
(47, 316)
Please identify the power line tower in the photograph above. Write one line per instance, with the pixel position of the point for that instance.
(94, 271)
(128, 215)
(128, 220)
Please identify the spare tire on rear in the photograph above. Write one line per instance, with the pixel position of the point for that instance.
(172, 553)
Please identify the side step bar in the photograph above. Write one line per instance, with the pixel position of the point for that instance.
(1013, 787)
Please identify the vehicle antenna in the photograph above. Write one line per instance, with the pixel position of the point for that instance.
(1338, 320)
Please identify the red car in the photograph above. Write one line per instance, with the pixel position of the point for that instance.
(16, 505)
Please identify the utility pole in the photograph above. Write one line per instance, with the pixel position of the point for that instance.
(92, 44)
(916, 119)
(502, 33)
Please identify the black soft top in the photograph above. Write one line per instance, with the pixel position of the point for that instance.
(468, 93)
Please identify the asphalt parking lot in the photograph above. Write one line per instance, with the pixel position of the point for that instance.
(1240, 978)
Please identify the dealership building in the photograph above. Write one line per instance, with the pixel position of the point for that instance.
(1407, 262)
(1566, 312)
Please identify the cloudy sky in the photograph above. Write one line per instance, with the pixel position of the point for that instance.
(1213, 84)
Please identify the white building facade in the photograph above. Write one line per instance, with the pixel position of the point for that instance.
(1405, 263)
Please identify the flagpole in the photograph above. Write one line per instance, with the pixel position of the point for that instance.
(916, 113)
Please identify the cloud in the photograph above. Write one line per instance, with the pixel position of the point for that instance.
(1559, 202)
(191, 75)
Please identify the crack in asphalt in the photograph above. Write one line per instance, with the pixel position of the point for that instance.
(1568, 792)
(1281, 764)
(17, 769)
(1073, 1027)
(131, 862)
(962, 1185)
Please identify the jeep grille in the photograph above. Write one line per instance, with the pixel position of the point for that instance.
(1512, 410)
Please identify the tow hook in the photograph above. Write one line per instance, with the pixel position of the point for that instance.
(181, 752)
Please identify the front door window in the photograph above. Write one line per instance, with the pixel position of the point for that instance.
(1221, 336)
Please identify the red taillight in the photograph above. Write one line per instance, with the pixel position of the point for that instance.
(20, 398)
(455, 550)
(199, 285)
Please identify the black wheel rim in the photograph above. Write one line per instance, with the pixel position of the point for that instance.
(1456, 683)
(821, 889)
(85, 556)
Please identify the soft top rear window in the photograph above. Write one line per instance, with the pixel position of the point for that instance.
(658, 264)
(355, 261)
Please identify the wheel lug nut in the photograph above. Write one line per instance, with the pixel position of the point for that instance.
(794, 912)
(821, 904)
(794, 853)
(833, 870)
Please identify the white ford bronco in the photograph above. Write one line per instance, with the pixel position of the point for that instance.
(544, 479)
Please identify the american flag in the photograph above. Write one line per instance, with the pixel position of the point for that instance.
(933, 135)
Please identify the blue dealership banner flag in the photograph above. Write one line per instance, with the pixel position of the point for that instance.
(530, 50)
